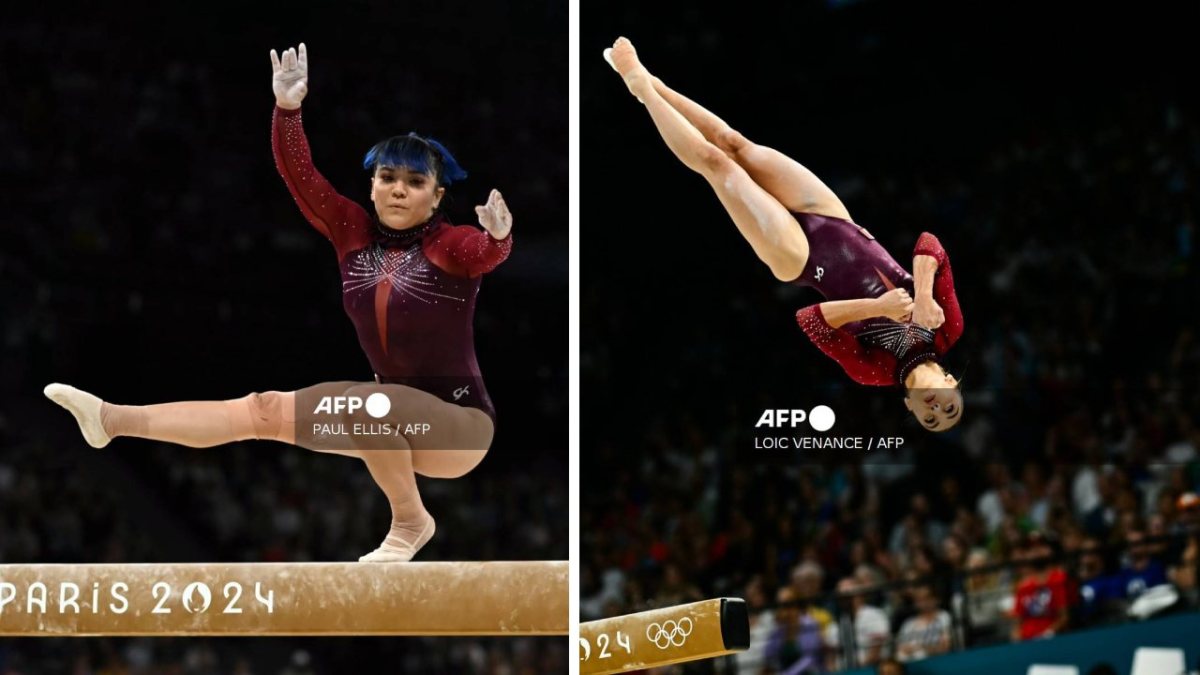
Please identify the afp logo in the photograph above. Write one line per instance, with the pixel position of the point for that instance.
(820, 418)
(377, 405)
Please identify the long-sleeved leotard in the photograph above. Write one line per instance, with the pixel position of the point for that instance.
(411, 293)
(845, 263)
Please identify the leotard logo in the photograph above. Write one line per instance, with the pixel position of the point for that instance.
(820, 272)
(461, 392)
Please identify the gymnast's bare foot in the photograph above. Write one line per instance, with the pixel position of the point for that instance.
(623, 58)
(397, 547)
(85, 408)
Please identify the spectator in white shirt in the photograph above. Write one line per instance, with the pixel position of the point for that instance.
(871, 627)
(927, 633)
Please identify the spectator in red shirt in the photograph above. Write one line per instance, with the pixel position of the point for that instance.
(1042, 593)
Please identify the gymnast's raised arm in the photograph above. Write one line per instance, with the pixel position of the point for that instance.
(323, 207)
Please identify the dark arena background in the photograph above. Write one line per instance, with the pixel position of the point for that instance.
(150, 252)
(1056, 155)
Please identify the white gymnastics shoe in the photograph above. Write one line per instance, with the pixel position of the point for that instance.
(85, 408)
(394, 549)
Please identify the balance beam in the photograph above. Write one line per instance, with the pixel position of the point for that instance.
(659, 637)
(439, 598)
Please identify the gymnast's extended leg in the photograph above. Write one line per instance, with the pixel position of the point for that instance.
(196, 424)
(458, 443)
(791, 183)
(766, 224)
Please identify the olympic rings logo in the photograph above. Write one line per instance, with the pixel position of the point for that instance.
(670, 633)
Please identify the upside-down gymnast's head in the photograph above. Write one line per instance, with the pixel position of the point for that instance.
(409, 175)
(933, 396)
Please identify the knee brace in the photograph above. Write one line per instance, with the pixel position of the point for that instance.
(259, 416)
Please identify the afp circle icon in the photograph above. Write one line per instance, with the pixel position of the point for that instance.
(820, 418)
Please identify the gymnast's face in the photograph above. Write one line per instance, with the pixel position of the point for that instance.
(404, 198)
(936, 409)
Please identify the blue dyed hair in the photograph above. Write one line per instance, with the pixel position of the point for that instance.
(415, 153)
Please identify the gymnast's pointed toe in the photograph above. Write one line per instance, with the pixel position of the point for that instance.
(85, 408)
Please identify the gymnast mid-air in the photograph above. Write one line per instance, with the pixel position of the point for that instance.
(882, 325)
(409, 283)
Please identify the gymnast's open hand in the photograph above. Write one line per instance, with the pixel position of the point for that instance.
(290, 81)
(494, 216)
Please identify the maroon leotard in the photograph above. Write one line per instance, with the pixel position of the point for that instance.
(410, 293)
(845, 263)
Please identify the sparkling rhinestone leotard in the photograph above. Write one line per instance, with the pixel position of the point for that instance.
(410, 294)
(846, 263)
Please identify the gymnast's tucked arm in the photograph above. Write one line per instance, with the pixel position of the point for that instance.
(864, 365)
(926, 311)
(936, 304)
(924, 268)
(895, 304)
